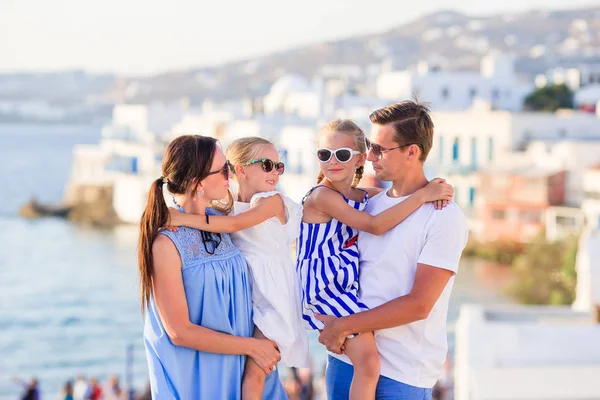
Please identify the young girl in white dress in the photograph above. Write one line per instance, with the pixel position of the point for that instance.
(263, 225)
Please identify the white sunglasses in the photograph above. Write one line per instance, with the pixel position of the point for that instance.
(343, 154)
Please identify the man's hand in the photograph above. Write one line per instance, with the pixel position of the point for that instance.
(331, 336)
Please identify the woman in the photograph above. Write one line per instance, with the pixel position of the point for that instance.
(67, 392)
(195, 286)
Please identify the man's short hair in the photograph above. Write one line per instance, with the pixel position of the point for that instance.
(412, 124)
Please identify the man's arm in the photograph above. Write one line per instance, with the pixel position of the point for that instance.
(428, 286)
(437, 263)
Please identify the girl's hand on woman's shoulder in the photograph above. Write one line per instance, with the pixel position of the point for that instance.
(175, 220)
(176, 217)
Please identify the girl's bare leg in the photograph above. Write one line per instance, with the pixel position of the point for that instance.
(253, 381)
(363, 353)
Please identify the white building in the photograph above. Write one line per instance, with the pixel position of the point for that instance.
(467, 141)
(128, 156)
(298, 144)
(588, 97)
(496, 83)
(575, 76)
(294, 94)
(321, 98)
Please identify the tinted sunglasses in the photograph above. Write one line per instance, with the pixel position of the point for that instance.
(210, 241)
(343, 154)
(268, 165)
(378, 151)
(224, 170)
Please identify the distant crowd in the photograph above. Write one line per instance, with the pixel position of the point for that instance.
(82, 388)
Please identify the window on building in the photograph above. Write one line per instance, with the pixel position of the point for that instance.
(473, 92)
(445, 93)
(499, 214)
(565, 221)
(283, 154)
(472, 196)
(530, 216)
(474, 152)
(455, 154)
(299, 165)
(591, 195)
(562, 132)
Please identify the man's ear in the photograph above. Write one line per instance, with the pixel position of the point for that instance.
(413, 151)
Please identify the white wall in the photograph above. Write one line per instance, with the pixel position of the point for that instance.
(87, 166)
(466, 126)
(130, 195)
(302, 168)
(303, 104)
(588, 271)
(526, 353)
(134, 116)
(591, 203)
(574, 156)
(457, 90)
(554, 126)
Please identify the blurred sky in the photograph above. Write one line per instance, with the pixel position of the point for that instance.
(147, 36)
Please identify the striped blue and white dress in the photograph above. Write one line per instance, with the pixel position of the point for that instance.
(327, 265)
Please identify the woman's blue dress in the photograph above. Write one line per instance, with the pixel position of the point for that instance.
(217, 288)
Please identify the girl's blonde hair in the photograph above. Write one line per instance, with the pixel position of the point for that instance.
(246, 149)
(360, 141)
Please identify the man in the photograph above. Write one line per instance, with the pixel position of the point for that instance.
(406, 274)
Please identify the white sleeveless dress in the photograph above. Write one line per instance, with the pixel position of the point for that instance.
(276, 296)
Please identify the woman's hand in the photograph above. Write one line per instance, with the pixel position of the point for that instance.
(438, 192)
(265, 354)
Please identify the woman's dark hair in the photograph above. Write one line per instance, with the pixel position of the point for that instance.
(187, 161)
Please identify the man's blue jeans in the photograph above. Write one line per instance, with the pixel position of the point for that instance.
(339, 377)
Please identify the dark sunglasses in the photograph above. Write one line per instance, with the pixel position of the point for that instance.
(224, 170)
(210, 241)
(378, 151)
(268, 165)
(343, 154)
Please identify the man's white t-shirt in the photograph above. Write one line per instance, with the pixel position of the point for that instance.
(414, 353)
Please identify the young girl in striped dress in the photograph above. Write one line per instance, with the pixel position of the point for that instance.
(327, 253)
(263, 225)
